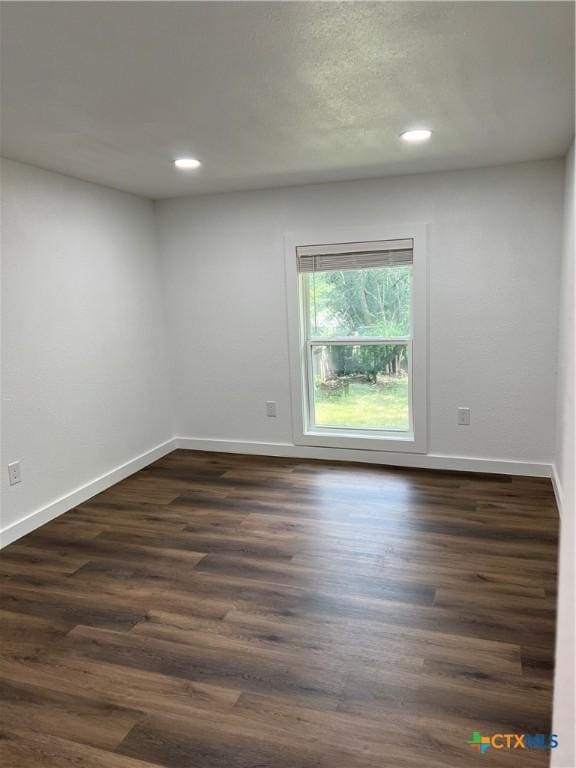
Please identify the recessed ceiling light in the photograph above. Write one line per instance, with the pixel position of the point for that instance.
(187, 163)
(421, 134)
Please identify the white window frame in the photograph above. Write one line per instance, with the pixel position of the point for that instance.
(415, 440)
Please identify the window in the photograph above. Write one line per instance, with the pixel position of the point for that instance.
(356, 336)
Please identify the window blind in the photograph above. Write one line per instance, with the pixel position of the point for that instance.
(370, 255)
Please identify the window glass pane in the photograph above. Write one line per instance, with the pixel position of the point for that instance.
(360, 302)
(363, 386)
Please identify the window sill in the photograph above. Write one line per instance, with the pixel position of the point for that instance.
(395, 443)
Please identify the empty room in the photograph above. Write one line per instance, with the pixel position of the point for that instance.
(287, 457)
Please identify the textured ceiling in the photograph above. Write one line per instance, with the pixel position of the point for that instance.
(269, 94)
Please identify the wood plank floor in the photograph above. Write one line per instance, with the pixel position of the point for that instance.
(224, 611)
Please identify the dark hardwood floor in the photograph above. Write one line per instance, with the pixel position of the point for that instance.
(224, 611)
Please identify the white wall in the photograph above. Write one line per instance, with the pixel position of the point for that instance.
(564, 460)
(494, 246)
(564, 709)
(84, 365)
(86, 372)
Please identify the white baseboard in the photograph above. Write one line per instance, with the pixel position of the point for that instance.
(83, 493)
(419, 461)
(557, 489)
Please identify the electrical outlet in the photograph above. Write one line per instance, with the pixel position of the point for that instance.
(15, 473)
(271, 408)
(463, 418)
